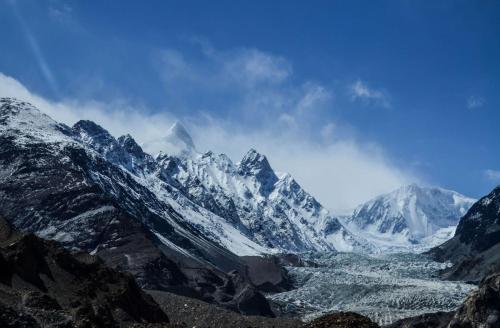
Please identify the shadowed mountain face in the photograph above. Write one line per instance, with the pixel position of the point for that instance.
(85, 189)
(475, 248)
(42, 284)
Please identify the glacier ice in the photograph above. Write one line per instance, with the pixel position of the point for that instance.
(383, 287)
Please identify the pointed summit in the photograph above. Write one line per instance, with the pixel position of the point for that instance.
(179, 137)
(253, 161)
(131, 146)
(256, 164)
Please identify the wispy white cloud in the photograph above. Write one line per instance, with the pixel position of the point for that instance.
(359, 90)
(474, 102)
(493, 175)
(267, 109)
(35, 48)
(61, 12)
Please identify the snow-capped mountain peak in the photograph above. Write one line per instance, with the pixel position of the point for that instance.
(179, 137)
(254, 162)
(93, 134)
(130, 145)
(257, 166)
(26, 123)
(409, 215)
(246, 205)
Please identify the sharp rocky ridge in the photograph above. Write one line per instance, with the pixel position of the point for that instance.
(91, 192)
(188, 200)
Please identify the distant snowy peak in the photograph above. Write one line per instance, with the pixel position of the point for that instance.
(410, 214)
(178, 137)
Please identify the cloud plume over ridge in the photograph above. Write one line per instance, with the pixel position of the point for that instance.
(266, 110)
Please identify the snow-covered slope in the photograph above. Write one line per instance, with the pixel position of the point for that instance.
(270, 208)
(411, 218)
(244, 207)
(89, 191)
(27, 126)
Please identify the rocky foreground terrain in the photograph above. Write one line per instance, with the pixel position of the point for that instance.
(44, 285)
(41, 284)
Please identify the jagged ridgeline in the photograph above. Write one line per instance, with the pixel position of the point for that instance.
(183, 220)
(190, 200)
(187, 200)
(82, 187)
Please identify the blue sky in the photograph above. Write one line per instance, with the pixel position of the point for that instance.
(400, 90)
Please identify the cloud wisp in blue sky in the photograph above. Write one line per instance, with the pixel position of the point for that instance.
(35, 49)
(360, 91)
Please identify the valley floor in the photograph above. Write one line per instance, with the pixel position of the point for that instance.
(189, 312)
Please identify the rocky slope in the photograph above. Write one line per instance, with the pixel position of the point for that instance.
(475, 248)
(410, 218)
(342, 319)
(43, 285)
(90, 192)
(187, 312)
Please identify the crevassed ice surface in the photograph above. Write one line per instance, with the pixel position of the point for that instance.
(384, 287)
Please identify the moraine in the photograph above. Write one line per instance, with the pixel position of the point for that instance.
(383, 287)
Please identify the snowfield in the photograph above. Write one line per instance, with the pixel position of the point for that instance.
(383, 287)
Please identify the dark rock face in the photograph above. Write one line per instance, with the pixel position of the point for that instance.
(9, 318)
(481, 308)
(428, 320)
(267, 273)
(188, 312)
(257, 165)
(44, 285)
(475, 248)
(342, 320)
(68, 184)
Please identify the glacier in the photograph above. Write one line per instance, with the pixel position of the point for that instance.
(384, 287)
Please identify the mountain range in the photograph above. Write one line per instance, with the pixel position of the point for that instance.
(246, 206)
(193, 223)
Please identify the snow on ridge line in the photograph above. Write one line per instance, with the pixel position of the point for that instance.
(294, 220)
(25, 122)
